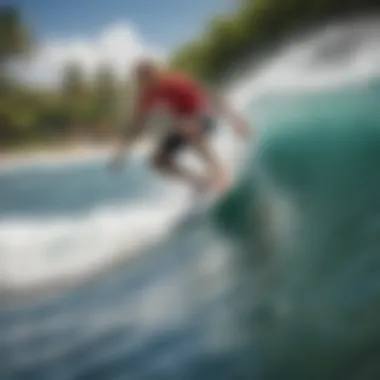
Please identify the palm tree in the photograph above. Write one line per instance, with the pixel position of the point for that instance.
(14, 36)
(14, 39)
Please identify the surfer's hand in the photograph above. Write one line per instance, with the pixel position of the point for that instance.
(242, 128)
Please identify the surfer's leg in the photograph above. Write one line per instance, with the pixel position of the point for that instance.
(198, 139)
(164, 160)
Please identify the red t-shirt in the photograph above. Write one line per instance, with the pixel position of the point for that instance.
(179, 93)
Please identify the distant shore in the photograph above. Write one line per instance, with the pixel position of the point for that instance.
(25, 155)
(67, 152)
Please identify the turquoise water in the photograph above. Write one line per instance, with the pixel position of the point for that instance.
(309, 224)
(280, 280)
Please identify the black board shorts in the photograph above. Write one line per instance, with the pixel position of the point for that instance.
(175, 141)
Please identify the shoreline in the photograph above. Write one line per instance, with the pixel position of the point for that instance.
(73, 152)
(19, 156)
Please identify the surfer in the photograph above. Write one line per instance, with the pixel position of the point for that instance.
(194, 110)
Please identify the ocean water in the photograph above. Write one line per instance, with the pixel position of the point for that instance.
(278, 280)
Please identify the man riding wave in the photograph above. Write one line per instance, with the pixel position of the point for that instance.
(194, 110)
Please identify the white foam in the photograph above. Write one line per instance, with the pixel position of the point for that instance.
(352, 52)
(38, 251)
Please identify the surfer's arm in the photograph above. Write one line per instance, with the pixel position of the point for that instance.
(134, 129)
(129, 135)
(223, 107)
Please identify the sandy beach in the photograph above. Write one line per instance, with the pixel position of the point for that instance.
(53, 153)
(70, 153)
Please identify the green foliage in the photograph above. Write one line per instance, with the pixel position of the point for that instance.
(192, 59)
(105, 93)
(14, 36)
(78, 107)
(82, 106)
(73, 83)
(252, 27)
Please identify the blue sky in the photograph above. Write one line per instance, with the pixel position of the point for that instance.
(160, 22)
(115, 32)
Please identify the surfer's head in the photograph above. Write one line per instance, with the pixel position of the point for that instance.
(146, 72)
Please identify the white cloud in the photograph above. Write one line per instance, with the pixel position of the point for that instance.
(118, 45)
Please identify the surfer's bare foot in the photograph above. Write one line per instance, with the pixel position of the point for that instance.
(201, 185)
(217, 183)
(220, 182)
